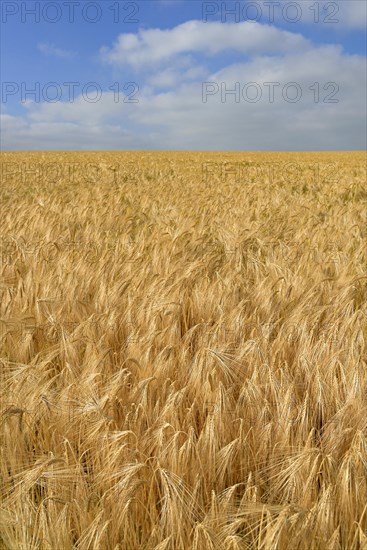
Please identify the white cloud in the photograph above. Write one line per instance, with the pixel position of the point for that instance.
(78, 112)
(156, 46)
(187, 123)
(185, 69)
(335, 15)
(338, 15)
(51, 50)
(19, 133)
(353, 13)
(177, 118)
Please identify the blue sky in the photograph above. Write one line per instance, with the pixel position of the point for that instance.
(183, 58)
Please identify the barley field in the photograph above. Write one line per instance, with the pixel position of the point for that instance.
(183, 341)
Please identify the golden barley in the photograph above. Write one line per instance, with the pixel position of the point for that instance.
(183, 351)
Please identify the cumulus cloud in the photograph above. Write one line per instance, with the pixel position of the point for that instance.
(21, 133)
(156, 46)
(353, 13)
(185, 69)
(304, 125)
(178, 118)
(338, 15)
(329, 114)
(51, 50)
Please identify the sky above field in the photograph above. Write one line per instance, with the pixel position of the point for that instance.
(183, 75)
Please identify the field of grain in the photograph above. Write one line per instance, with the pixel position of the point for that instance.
(183, 341)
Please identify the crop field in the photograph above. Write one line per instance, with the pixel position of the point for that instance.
(183, 351)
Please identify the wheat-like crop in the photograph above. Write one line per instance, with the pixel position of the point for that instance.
(182, 351)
